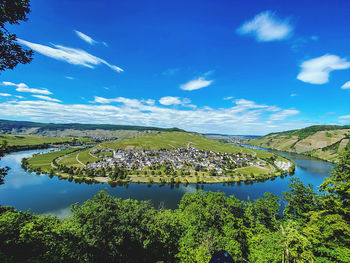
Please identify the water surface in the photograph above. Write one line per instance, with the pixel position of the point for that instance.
(42, 194)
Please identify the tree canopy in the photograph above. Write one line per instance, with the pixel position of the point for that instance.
(11, 53)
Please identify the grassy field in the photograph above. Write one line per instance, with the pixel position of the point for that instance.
(252, 170)
(70, 160)
(43, 161)
(85, 157)
(29, 140)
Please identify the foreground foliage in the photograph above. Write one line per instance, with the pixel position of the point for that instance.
(11, 53)
(313, 228)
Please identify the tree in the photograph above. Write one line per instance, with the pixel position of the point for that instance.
(301, 199)
(11, 53)
(3, 170)
(266, 210)
(338, 185)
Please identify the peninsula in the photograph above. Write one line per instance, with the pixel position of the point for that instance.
(161, 157)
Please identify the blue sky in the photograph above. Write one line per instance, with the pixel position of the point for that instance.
(232, 67)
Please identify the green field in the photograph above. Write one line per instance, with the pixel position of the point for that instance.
(44, 161)
(70, 160)
(85, 157)
(252, 170)
(30, 140)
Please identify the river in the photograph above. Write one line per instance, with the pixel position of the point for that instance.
(44, 195)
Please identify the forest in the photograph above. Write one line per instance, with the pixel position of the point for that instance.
(313, 227)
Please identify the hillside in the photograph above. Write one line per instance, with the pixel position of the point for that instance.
(170, 140)
(322, 141)
(76, 129)
(26, 142)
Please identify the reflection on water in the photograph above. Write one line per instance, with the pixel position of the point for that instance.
(43, 195)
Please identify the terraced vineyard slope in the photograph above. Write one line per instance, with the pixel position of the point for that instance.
(322, 141)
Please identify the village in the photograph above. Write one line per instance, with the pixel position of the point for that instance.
(179, 159)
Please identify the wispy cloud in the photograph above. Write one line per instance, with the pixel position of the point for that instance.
(248, 104)
(69, 55)
(85, 37)
(5, 95)
(317, 70)
(47, 98)
(69, 77)
(282, 115)
(21, 87)
(148, 102)
(346, 85)
(173, 101)
(344, 119)
(266, 26)
(228, 98)
(241, 118)
(195, 84)
(293, 95)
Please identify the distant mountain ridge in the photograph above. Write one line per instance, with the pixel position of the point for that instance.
(322, 141)
(76, 129)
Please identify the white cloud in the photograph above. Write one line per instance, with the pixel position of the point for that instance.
(284, 114)
(47, 98)
(21, 87)
(293, 94)
(316, 70)
(266, 26)
(238, 119)
(149, 101)
(228, 98)
(248, 104)
(69, 77)
(173, 101)
(30, 90)
(195, 84)
(5, 95)
(7, 83)
(69, 55)
(344, 119)
(346, 85)
(84, 37)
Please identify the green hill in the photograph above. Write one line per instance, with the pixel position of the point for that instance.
(322, 141)
(25, 142)
(76, 129)
(169, 140)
